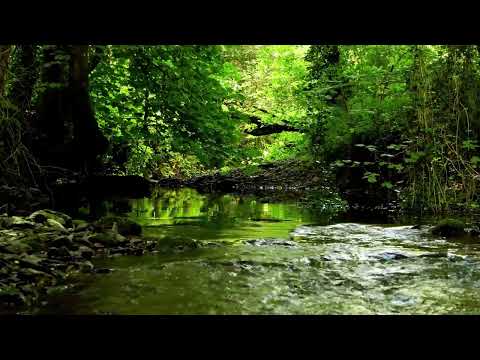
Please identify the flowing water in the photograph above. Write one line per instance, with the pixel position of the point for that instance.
(234, 255)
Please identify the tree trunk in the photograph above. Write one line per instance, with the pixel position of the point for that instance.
(52, 107)
(268, 129)
(4, 60)
(66, 116)
(25, 75)
(88, 139)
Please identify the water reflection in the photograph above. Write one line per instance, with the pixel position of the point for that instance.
(184, 213)
(184, 205)
(268, 258)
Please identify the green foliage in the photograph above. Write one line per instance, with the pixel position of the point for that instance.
(269, 81)
(371, 177)
(412, 107)
(361, 94)
(165, 100)
(156, 102)
(406, 118)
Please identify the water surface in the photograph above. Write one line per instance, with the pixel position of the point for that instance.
(226, 254)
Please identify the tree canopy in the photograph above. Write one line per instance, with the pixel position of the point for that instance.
(405, 117)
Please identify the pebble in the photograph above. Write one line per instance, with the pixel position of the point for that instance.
(39, 251)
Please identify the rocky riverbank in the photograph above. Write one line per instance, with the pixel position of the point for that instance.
(45, 249)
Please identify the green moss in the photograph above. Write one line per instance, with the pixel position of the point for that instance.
(449, 228)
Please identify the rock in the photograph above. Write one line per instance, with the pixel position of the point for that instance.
(18, 222)
(38, 241)
(86, 252)
(61, 252)
(5, 222)
(30, 274)
(15, 246)
(32, 261)
(76, 222)
(60, 241)
(136, 252)
(11, 295)
(392, 256)
(82, 227)
(42, 216)
(449, 228)
(136, 241)
(271, 242)
(125, 226)
(56, 225)
(474, 230)
(108, 238)
(103, 271)
(434, 255)
(86, 267)
(119, 250)
(82, 237)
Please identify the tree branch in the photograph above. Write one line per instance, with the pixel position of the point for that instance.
(264, 129)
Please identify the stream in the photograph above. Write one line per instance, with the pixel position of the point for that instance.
(226, 254)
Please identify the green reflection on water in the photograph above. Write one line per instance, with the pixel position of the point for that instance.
(188, 214)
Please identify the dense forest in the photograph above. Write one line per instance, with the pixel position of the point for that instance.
(402, 118)
(385, 127)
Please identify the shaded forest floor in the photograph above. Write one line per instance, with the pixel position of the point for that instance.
(273, 181)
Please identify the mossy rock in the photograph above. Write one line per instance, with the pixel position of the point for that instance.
(86, 267)
(20, 223)
(81, 225)
(108, 238)
(41, 216)
(125, 226)
(37, 241)
(16, 246)
(86, 252)
(55, 225)
(62, 253)
(62, 240)
(5, 222)
(450, 228)
(12, 295)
